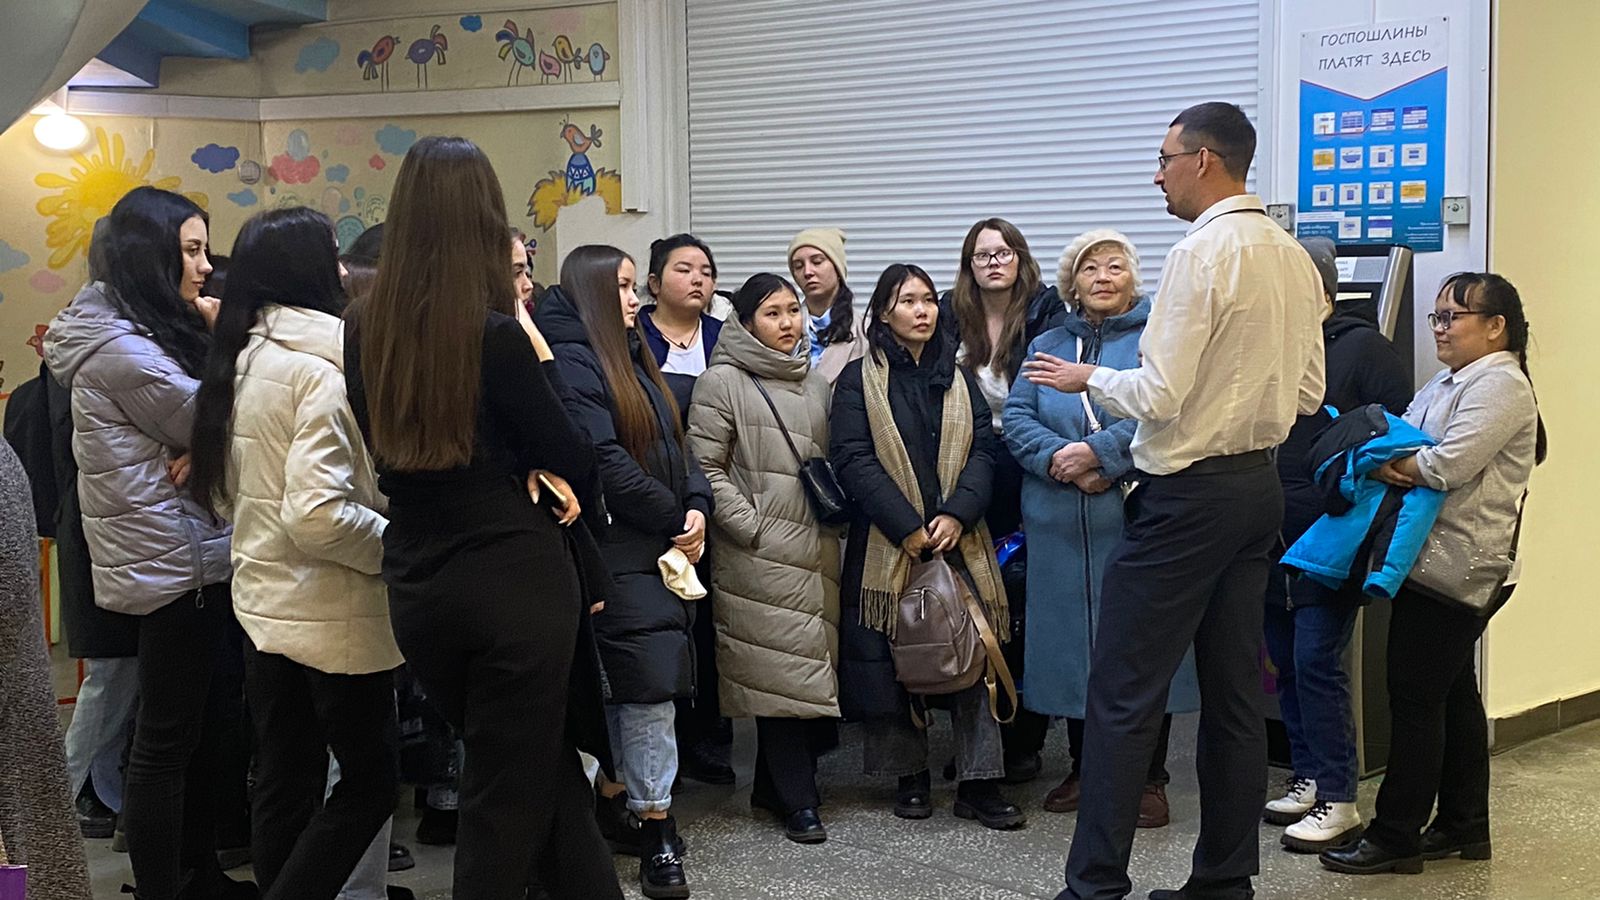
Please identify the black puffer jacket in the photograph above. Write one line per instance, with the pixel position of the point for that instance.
(1362, 367)
(643, 633)
(867, 684)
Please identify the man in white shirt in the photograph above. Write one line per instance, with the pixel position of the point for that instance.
(1232, 353)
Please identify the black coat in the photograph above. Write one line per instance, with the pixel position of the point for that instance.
(92, 632)
(1363, 367)
(1045, 311)
(867, 684)
(644, 632)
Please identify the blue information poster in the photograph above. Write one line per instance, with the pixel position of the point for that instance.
(1372, 133)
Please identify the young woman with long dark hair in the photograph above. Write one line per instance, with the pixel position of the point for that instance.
(913, 443)
(278, 452)
(131, 349)
(1483, 412)
(655, 500)
(999, 304)
(458, 408)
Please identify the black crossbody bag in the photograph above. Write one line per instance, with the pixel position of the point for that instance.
(828, 499)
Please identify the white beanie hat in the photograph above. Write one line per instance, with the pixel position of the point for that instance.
(1072, 256)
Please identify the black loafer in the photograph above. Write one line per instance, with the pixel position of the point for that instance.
(1439, 844)
(912, 797)
(1023, 769)
(805, 827)
(1366, 858)
(991, 812)
(1218, 892)
(400, 858)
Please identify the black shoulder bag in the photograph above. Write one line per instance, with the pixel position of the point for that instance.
(828, 499)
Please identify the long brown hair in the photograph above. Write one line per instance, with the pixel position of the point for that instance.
(589, 279)
(966, 300)
(421, 327)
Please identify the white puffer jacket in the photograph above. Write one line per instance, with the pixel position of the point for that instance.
(304, 501)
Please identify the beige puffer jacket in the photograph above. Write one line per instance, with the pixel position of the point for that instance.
(304, 501)
(776, 567)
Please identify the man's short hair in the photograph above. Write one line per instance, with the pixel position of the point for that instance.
(1224, 129)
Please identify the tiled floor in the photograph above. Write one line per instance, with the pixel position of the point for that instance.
(1546, 831)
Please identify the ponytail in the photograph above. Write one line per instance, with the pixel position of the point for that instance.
(841, 318)
(1495, 296)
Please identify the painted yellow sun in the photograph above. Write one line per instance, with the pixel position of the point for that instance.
(95, 185)
(551, 195)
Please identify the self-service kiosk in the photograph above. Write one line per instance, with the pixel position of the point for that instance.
(1376, 280)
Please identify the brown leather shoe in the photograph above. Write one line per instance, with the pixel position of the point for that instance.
(1064, 797)
(1153, 809)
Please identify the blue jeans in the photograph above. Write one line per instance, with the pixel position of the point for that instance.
(101, 720)
(1307, 645)
(645, 750)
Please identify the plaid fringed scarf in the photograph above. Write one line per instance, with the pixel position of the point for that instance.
(888, 568)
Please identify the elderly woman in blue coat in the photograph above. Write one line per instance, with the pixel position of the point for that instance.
(1077, 463)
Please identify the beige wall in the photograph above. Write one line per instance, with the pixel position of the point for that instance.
(1544, 234)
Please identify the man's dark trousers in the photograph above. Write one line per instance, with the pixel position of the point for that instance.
(1191, 568)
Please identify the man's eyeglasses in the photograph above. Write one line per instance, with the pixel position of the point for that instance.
(1003, 257)
(1163, 158)
(1441, 321)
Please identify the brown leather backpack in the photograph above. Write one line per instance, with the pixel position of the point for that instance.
(943, 642)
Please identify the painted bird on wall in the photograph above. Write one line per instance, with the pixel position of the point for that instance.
(374, 63)
(566, 55)
(598, 57)
(580, 173)
(519, 47)
(549, 67)
(426, 50)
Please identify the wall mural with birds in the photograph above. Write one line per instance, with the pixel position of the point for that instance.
(548, 161)
(448, 51)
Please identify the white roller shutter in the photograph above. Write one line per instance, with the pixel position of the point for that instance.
(904, 121)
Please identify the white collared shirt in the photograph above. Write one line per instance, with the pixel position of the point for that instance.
(1233, 350)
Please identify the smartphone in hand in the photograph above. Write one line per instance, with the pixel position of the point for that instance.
(561, 500)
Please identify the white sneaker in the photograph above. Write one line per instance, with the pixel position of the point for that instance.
(1326, 825)
(1300, 794)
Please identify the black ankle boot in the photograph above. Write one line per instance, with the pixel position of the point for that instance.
(213, 885)
(660, 866)
(981, 800)
(911, 796)
(622, 829)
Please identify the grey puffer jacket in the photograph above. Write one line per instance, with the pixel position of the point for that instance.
(132, 412)
(776, 568)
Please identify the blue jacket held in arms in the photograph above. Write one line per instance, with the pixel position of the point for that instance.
(1380, 527)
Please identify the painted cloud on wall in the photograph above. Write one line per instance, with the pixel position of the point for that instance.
(214, 158)
(11, 257)
(394, 140)
(317, 56)
(288, 170)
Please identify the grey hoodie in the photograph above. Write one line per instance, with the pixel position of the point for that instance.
(132, 412)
